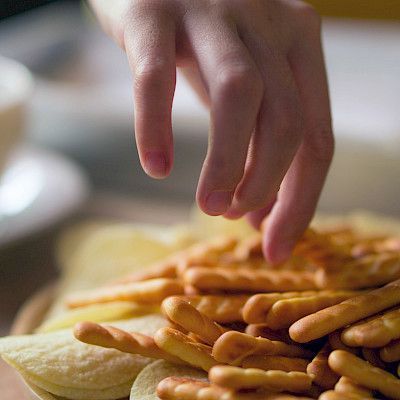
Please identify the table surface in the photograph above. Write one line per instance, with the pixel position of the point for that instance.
(33, 259)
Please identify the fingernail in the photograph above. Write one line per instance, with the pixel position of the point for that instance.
(218, 202)
(280, 253)
(156, 164)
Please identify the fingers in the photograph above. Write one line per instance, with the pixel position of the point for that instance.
(277, 135)
(150, 45)
(303, 183)
(235, 89)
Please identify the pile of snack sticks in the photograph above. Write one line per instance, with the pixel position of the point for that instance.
(326, 324)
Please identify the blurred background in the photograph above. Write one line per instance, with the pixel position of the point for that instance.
(77, 158)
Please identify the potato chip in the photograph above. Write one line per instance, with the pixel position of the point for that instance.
(117, 310)
(146, 382)
(39, 392)
(205, 226)
(62, 365)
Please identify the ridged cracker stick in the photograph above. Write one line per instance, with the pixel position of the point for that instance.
(252, 378)
(111, 337)
(181, 346)
(376, 332)
(182, 313)
(232, 347)
(346, 385)
(335, 341)
(257, 307)
(221, 309)
(278, 363)
(145, 292)
(264, 331)
(245, 280)
(391, 352)
(370, 271)
(334, 395)
(174, 388)
(285, 312)
(361, 372)
(319, 369)
(349, 311)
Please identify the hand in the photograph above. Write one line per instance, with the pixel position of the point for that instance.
(259, 66)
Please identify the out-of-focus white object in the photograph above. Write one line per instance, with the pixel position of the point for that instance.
(16, 85)
(37, 189)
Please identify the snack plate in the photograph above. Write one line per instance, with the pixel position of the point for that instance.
(28, 318)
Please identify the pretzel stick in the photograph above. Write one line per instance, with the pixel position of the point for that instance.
(376, 332)
(373, 270)
(251, 378)
(278, 363)
(361, 372)
(180, 345)
(146, 292)
(111, 337)
(334, 395)
(319, 369)
(232, 347)
(185, 315)
(222, 309)
(338, 316)
(174, 388)
(229, 280)
(391, 352)
(257, 307)
(285, 312)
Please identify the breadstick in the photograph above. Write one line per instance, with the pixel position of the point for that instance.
(361, 372)
(278, 363)
(351, 310)
(252, 378)
(346, 385)
(285, 312)
(174, 388)
(221, 309)
(111, 337)
(257, 307)
(232, 347)
(181, 346)
(145, 292)
(264, 331)
(185, 315)
(319, 369)
(376, 332)
(370, 271)
(391, 352)
(238, 280)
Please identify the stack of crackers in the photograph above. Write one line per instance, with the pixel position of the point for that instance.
(324, 325)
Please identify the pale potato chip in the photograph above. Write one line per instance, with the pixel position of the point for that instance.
(117, 310)
(62, 365)
(205, 226)
(37, 391)
(146, 382)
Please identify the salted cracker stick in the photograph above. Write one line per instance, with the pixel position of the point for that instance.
(278, 363)
(127, 342)
(182, 313)
(349, 311)
(376, 332)
(361, 372)
(180, 345)
(232, 347)
(252, 378)
(245, 280)
(346, 385)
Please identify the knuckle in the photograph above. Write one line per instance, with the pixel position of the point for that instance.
(149, 73)
(321, 142)
(239, 79)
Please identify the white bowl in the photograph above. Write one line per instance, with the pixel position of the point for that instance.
(16, 84)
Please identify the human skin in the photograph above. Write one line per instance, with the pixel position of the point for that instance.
(258, 65)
